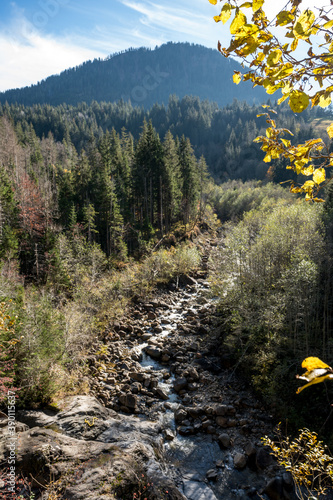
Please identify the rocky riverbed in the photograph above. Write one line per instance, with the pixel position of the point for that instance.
(165, 418)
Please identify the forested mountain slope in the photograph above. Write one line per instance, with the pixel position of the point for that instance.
(224, 136)
(144, 77)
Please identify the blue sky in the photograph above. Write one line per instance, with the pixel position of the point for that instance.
(43, 37)
(39, 38)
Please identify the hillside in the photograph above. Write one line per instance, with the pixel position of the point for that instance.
(144, 77)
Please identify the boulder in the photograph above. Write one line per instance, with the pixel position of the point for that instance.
(153, 352)
(263, 459)
(239, 461)
(224, 440)
(275, 491)
(129, 400)
(179, 384)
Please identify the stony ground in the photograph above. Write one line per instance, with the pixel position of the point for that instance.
(165, 418)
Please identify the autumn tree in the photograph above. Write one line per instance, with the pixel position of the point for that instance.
(274, 50)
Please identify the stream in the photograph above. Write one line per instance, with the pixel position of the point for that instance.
(201, 467)
(162, 400)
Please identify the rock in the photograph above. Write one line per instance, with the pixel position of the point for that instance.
(250, 449)
(151, 315)
(186, 430)
(161, 393)
(195, 412)
(180, 415)
(224, 440)
(168, 435)
(263, 459)
(146, 336)
(186, 280)
(212, 474)
(153, 352)
(129, 400)
(82, 417)
(165, 358)
(275, 491)
(179, 384)
(194, 490)
(221, 410)
(192, 373)
(222, 421)
(288, 482)
(239, 461)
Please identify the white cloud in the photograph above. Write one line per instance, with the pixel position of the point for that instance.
(26, 56)
(193, 21)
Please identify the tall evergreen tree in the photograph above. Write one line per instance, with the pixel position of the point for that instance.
(191, 180)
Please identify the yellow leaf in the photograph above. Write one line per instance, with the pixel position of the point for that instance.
(285, 70)
(274, 57)
(294, 44)
(298, 101)
(324, 100)
(316, 380)
(237, 77)
(284, 17)
(319, 175)
(308, 170)
(303, 25)
(257, 4)
(328, 25)
(238, 22)
(299, 164)
(267, 158)
(283, 98)
(330, 130)
(214, 2)
(225, 14)
(308, 185)
(245, 5)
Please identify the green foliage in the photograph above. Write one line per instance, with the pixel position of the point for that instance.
(41, 353)
(74, 261)
(268, 280)
(233, 199)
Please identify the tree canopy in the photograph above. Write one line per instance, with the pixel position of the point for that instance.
(274, 51)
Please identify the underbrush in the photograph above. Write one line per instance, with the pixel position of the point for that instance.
(57, 323)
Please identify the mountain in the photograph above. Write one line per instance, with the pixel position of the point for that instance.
(144, 77)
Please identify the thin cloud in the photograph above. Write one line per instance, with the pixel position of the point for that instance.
(27, 57)
(196, 24)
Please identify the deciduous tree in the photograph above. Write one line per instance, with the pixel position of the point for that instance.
(270, 46)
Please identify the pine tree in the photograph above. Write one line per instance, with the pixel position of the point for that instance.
(171, 182)
(147, 171)
(191, 180)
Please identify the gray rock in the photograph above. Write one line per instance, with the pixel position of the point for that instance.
(179, 384)
(180, 415)
(225, 440)
(153, 352)
(263, 459)
(161, 393)
(239, 461)
(222, 421)
(169, 435)
(274, 489)
(129, 400)
(194, 490)
(221, 410)
(250, 449)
